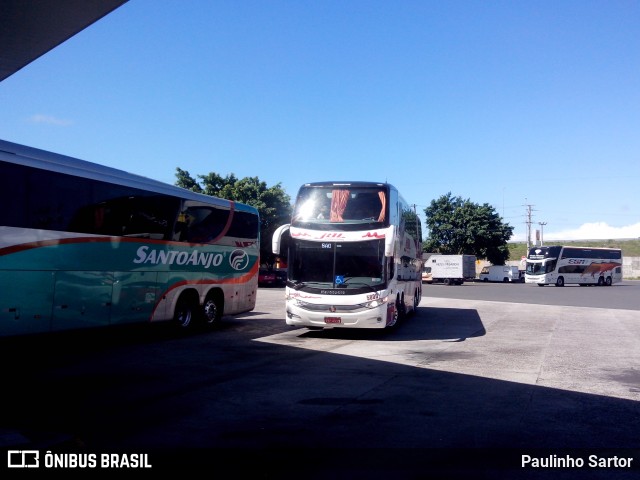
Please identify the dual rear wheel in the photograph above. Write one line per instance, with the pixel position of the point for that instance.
(601, 281)
(189, 312)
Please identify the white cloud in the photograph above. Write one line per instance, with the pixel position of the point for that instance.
(50, 120)
(588, 231)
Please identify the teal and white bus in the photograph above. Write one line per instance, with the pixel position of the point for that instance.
(84, 245)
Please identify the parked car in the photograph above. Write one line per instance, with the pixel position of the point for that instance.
(426, 275)
(272, 278)
(281, 277)
(266, 278)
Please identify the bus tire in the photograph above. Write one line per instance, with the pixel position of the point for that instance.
(560, 282)
(186, 310)
(416, 301)
(394, 317)
(600, 281)
(608, 282)
(212, 309)
(402, 309)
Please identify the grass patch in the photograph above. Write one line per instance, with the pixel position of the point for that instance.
(630, 247)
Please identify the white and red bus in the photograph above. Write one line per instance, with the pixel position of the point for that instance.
(562, 265)
(354, 256)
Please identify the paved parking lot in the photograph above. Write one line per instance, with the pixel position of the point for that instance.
(464, 388)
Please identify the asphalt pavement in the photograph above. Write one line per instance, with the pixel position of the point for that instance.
(465, 388)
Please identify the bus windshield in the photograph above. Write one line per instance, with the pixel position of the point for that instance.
(538, 268)
(364, 207)
(354, 264)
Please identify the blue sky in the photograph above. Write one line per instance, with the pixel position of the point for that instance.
(509, 103)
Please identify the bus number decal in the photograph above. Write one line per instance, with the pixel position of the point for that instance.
(373, 296)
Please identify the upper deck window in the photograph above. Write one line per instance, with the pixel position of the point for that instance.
(348, 205)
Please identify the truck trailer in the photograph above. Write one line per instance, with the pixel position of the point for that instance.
(449, 269)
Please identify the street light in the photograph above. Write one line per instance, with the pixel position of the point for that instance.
(542, 224)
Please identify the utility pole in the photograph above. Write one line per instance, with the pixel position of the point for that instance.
(528, 225)
(542, 224)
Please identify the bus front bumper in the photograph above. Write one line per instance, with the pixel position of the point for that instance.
(324, 316)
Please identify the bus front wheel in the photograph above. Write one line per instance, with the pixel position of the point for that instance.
(185, 310)
(416, 300)
(600, 281)
(560, 282)
(393, 321)
(608, 282)
(402, 309)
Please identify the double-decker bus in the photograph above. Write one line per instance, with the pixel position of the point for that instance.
(559, 265)
(84, 245)
(354, 256)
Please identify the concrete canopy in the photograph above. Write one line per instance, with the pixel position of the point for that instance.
(30, 28)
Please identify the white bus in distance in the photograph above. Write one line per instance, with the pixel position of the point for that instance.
(560, 265)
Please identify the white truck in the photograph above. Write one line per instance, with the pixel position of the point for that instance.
(500, 273)
(450, 269)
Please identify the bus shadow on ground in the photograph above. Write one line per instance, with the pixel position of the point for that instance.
(427, 323)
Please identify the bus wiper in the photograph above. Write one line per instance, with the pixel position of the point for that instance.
(299, 285)
(347, 282)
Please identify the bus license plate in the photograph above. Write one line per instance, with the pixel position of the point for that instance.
(332, 320)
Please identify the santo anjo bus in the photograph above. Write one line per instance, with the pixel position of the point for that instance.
(83, 245)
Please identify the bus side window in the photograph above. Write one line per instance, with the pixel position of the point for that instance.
(390, 268)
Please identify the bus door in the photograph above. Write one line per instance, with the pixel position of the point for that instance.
(134, 296)
(27, 302)
(82, 299)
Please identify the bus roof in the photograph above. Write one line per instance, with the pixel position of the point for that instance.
(347, 184)
(55, 162)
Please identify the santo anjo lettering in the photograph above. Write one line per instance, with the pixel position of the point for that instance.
(156, 257)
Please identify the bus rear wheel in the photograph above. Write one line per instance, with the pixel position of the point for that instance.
(212, 310)
(560, 282)
(600, 281)
(608, 282)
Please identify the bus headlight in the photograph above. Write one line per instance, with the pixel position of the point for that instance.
(376, 303)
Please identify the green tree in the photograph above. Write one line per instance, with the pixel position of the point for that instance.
(273, 203)
(186, 181)
(457, 226)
